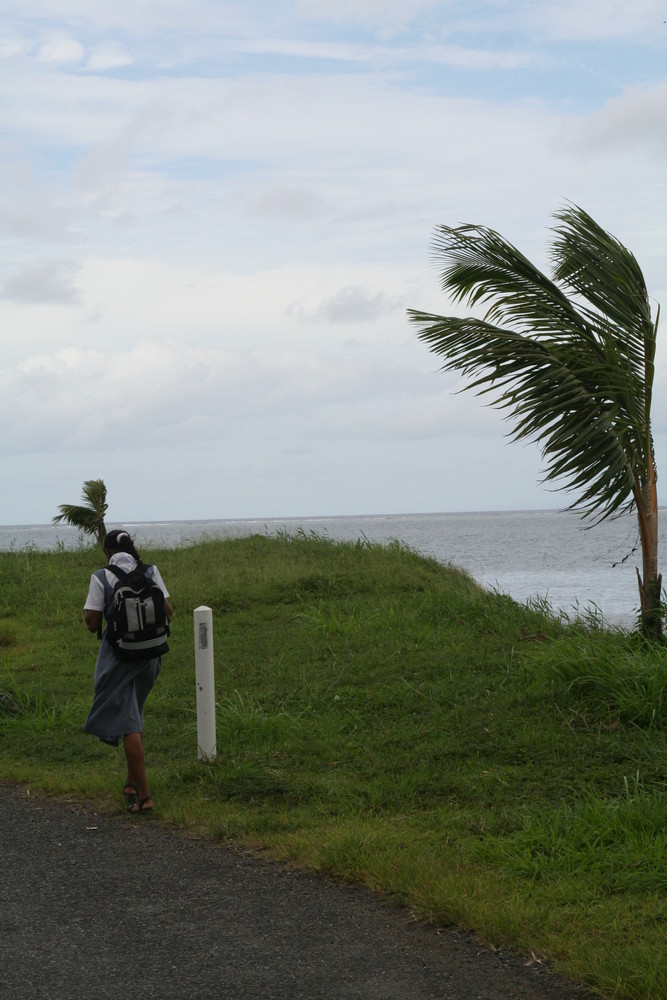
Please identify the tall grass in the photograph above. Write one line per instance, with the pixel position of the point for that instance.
(613, 675)
(623, 839)
(382, 718)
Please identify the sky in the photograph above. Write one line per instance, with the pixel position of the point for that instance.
(214, 216)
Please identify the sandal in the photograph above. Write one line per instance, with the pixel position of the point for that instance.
(139, 807)
(130, 793)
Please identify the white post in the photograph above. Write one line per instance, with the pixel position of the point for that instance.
(205, 683)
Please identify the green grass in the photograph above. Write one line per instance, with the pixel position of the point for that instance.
(383, 719)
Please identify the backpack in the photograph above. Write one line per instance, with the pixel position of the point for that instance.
(137, 628)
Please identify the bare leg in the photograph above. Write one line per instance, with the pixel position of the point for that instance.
(136, 767)
(129, 780)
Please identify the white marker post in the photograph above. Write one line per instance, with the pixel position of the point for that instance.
(205, 680)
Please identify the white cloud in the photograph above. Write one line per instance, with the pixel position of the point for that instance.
(214, 216)
(30, 209)
(388, 17)
(63, 51)
(186, 17)
(288, 202)
(108, 55)
(471, 59)
(352, 304)
(12, 43)
(42, 281)
(634, 121)
(208, 395)
(598, 20)
(386, 57)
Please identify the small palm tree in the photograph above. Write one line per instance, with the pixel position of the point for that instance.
(89, 518)
(570, 360)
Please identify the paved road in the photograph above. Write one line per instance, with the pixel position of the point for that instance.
(95, 906)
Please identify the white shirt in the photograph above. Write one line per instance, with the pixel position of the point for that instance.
(95, 599)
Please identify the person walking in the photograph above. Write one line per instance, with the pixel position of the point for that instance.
(121, 686)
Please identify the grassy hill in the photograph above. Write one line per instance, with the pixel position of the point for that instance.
(381, 718)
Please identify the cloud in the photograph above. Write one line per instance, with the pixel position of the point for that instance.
(215, 214)
(353, 304)
(597, 20)
(108, 55)
(397, 56)
(29, 207)
(469, 58)
(62, 51)
(49, 281)
(12, 43)
(634, 121)
(388, 17)
(293, 397)
(296, 202)
(307, 49)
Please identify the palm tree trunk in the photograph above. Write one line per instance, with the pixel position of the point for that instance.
(650, 582)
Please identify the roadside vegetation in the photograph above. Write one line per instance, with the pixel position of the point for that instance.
(383, 719)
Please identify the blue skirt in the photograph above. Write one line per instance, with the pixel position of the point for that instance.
(121, 689)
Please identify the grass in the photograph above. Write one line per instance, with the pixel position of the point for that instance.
(383, 719)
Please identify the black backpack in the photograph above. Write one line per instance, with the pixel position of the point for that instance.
(137, 628)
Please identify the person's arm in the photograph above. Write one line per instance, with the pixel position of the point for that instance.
(94, 606)
(157, 578)
(93, 619)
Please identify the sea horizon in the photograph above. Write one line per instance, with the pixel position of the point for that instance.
(539, 554)
(296, 517)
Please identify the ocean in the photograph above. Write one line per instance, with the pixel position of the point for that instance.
(539, 554)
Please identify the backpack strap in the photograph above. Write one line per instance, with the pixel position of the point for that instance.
(120, 573)
(100, 574)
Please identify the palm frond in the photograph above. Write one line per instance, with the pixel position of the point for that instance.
(89, 518)
(593, 263)
(484, 268)
(95, 492)
(546, 401)
(78, 517)
(571, 366)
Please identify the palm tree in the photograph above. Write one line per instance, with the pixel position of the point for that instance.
(89, 518)
(570, 360)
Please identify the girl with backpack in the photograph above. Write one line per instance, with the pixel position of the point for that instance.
(122, 685)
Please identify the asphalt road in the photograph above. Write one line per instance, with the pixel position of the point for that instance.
(96, 905)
